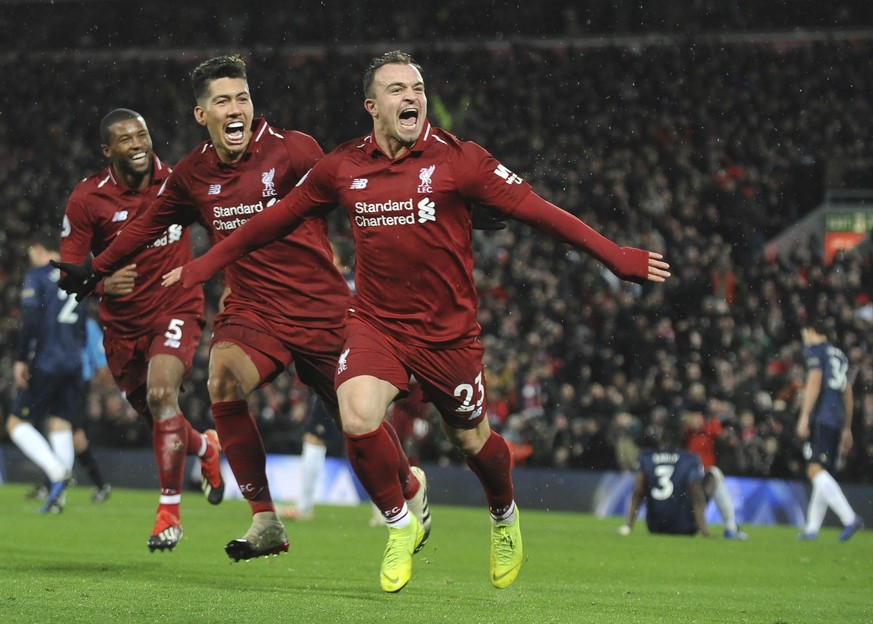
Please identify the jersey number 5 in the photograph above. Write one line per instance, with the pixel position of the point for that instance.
(173, 334)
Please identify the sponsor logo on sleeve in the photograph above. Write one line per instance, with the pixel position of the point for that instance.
(507, 175)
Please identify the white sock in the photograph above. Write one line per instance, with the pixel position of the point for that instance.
(37, 449)
(62, 445)
(401, 519)
(313, 459)
(835, 498)
(723, 500)
(506, 518)
(817, 508)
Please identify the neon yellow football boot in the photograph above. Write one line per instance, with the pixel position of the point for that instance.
(507, 554)
(397, 560)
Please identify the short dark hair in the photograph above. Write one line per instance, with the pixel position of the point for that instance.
(672, 436)
(395, 56)
(113, 117)
(228, 66)
(46, 238)
(820, 325)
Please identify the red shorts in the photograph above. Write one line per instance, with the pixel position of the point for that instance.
(128, 358)
(314, 352)
(450, 378)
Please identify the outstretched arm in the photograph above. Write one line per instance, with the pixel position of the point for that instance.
(272, 224)
(628, 263)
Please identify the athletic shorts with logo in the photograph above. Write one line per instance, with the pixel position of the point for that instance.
(450, 378)
(128, 358)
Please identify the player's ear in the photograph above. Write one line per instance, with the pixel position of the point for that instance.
(370, 107)
(200, 115)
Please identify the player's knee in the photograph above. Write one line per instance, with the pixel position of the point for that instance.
(162, 397)
(468, 441)
(717, 474)
(223, 386)
(359, 422)
(12, 423)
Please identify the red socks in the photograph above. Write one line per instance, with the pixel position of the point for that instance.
(195, 439)
(493, 465)
(169, 443)
(408, 481)
(375, 460)
(243, 448)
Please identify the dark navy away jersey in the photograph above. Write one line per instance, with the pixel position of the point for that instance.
(52, 332)
(669, 508)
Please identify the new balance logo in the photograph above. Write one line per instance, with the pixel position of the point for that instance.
(507, 175)
(358, 184)
(121, 215)
(214, 189)
(426, 210)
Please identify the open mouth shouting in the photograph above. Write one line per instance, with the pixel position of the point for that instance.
(409, 118)
(234, 133)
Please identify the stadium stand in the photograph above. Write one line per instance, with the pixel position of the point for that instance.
(704, 145)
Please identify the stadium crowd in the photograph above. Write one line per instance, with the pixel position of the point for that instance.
(702, 150)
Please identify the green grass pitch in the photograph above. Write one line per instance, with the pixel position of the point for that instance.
(91, 564)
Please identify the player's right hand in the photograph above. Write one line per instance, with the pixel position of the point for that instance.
(172, 277)
(78, 280)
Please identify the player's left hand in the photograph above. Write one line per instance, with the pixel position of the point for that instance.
(659, 270)
(485, 218)
(78, 280)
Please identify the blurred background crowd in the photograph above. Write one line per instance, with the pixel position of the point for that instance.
(704, 142)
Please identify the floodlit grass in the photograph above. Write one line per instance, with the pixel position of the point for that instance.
(91, 564)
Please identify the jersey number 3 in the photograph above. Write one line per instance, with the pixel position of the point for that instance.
(664, 489)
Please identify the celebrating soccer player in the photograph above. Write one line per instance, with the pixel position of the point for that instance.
(407, 188)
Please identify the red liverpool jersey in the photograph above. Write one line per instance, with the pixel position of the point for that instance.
(98, 208)
(412, 227)
(292, 280)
